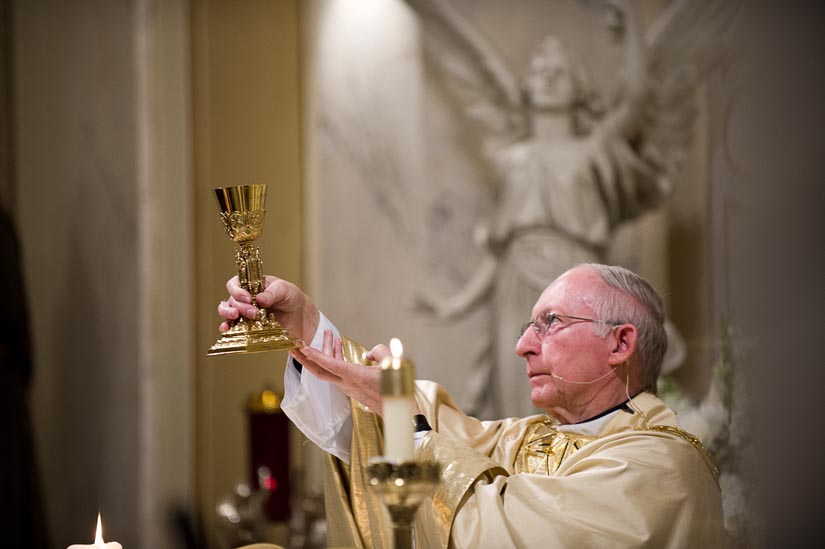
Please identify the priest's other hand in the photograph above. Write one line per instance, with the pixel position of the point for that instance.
(359, 382)
(293, 309)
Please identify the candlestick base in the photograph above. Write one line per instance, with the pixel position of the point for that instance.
(402, 486)
(254, 336)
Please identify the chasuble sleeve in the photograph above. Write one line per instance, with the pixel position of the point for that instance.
(461, 468)
(497, 439)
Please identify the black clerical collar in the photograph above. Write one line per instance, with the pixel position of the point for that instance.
(622, 406)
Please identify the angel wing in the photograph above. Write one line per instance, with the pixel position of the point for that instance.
(685, 43)
(477, 73)
(658, 102)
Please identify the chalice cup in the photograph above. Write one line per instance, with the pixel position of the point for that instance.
(242, 213)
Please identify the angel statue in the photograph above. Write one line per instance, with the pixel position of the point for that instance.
(567, 169)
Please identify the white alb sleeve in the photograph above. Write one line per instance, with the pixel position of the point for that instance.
(320, 409)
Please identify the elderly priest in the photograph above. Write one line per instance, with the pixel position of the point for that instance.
(607, 466)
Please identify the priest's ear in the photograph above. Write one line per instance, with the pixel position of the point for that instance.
(623, 339)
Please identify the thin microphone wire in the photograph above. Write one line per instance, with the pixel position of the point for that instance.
(630, 400)
(626, 387)
(587, 382)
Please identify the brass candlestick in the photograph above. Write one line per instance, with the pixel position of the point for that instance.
(402, 486)
(242, 214)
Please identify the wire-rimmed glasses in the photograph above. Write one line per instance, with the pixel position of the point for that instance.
(544, 323)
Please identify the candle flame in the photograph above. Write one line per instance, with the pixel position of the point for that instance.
(396, 348)
(99, 533)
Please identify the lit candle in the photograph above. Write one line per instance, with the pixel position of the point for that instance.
(99, 543)
(397, 387)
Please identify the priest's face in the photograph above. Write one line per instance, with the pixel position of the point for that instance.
(567, 350)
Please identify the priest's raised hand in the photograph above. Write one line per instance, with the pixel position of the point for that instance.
(293, 309)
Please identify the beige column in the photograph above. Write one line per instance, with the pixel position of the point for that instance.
(247, 110)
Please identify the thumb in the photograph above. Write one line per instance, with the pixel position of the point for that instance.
(276, 293)
(378, 353)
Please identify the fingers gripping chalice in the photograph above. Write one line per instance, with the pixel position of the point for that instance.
(242, 214)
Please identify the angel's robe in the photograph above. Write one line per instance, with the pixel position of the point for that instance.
(631, 478)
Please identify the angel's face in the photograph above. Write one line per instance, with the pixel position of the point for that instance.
(549, 83)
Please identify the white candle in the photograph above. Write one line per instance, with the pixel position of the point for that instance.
(398, 429)
(99, 543)
(398, 404)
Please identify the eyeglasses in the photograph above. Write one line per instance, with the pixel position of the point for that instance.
(544, 324)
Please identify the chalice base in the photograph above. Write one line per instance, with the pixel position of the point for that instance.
(254, 336)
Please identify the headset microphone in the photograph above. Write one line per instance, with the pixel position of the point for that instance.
(586, 382)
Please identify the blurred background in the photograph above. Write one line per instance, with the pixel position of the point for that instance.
(118, 118)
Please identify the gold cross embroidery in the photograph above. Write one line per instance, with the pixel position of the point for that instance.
(545, 448)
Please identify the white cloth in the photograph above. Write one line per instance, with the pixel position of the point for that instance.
(590, 428)
(318, 408)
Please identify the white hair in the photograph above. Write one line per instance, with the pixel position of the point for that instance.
(630, 298)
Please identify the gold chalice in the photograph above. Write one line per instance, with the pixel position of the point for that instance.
(242, 214)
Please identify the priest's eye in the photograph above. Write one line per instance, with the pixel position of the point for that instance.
(545, 323)
(551, 319)
(542, 324)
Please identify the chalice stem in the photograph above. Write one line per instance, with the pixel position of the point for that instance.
(402, 536)
(250, 269)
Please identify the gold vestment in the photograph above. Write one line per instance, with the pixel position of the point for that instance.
(642, 482)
